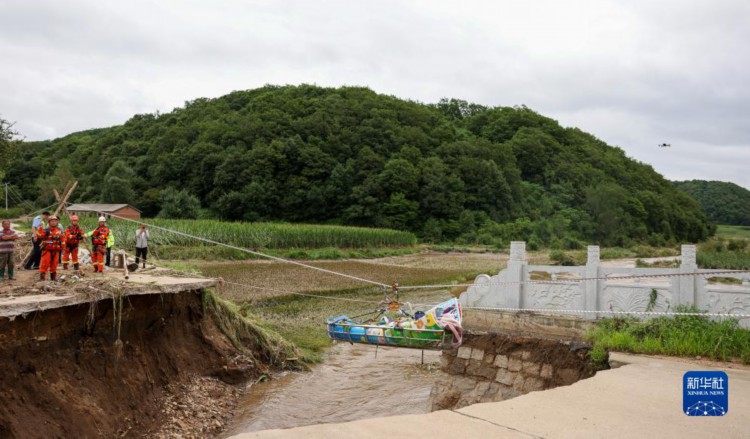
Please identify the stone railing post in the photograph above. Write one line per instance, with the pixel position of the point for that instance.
(688, 264)
(591, 287)
(515, 273)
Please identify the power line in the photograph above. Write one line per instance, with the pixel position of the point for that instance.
(18, 198)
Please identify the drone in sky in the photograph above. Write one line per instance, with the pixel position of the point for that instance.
(664, 145)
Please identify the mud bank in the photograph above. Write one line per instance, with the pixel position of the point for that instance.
(121, 367)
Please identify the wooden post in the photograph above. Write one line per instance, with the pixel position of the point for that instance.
(66, 195)
(125, 264)
(60, 206)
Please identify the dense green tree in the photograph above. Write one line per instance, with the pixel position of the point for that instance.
(56, 181)
(8, 145)
(453, 170)
(118, 184)
(179, 204)
(723, 202)
(149, 202)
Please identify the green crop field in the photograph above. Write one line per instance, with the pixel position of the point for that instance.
(256, 235)
(733, 232)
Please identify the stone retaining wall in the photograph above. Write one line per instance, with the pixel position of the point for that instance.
(494, 367)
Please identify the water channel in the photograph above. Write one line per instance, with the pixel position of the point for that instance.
(350, 384)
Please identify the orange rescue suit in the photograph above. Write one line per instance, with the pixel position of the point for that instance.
(73, 236)
(51, 241)
(99, 239)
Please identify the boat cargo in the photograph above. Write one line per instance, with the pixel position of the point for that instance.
(433, 329)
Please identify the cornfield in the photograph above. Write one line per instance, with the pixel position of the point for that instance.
(254, 235)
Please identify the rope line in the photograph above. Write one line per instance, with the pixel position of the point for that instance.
(435, 286)
(432, 286)
(252, 252)
(481, 308)
(261, 288)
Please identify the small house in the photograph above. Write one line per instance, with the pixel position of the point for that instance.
(108, 210)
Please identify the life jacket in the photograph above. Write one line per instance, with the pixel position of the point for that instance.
(73, 235)
(100, 236)
(51, 238)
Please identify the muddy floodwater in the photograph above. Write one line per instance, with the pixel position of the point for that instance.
(351, 384)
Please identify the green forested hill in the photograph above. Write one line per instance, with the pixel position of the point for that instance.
(449, 171)
(725, 203)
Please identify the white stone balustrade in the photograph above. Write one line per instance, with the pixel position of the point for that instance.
(512, 288)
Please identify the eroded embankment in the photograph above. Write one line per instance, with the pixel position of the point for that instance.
(108, 368)
(495, 367)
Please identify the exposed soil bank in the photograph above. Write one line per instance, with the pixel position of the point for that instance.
(91, 371)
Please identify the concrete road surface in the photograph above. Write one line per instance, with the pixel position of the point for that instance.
(641, 399)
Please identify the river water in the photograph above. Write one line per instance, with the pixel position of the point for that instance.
(350, 384)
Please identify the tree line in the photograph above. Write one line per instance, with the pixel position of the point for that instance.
(723, 202)
(451, 171)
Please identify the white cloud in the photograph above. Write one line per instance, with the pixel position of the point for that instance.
(634, 74)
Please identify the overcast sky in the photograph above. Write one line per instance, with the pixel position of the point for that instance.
(634, 73)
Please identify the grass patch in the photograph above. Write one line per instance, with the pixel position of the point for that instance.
(724, 280)
(742, 232)
(568, 258)
(182, 266)
(248, 336)
(689, 336)
(578, 257)
(23, 227)
(640, 263)
(540, 275)
(451, 248)
(219, 253)
(638, 251)
(728, 254)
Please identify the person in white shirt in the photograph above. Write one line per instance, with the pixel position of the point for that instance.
(141, 244)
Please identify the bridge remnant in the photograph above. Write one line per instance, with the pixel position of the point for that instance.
(595, 289)
(495, 367)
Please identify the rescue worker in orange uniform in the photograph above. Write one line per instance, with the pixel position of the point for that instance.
(51, 241)
(73, 236)
(99, 238)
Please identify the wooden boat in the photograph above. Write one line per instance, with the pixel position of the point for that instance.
(425, 330)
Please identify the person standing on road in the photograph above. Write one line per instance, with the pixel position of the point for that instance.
(99, 238)
(51, 242)
(110, 244)
(141, 244)
(7, 246)
(73, 236)
(39, 223)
